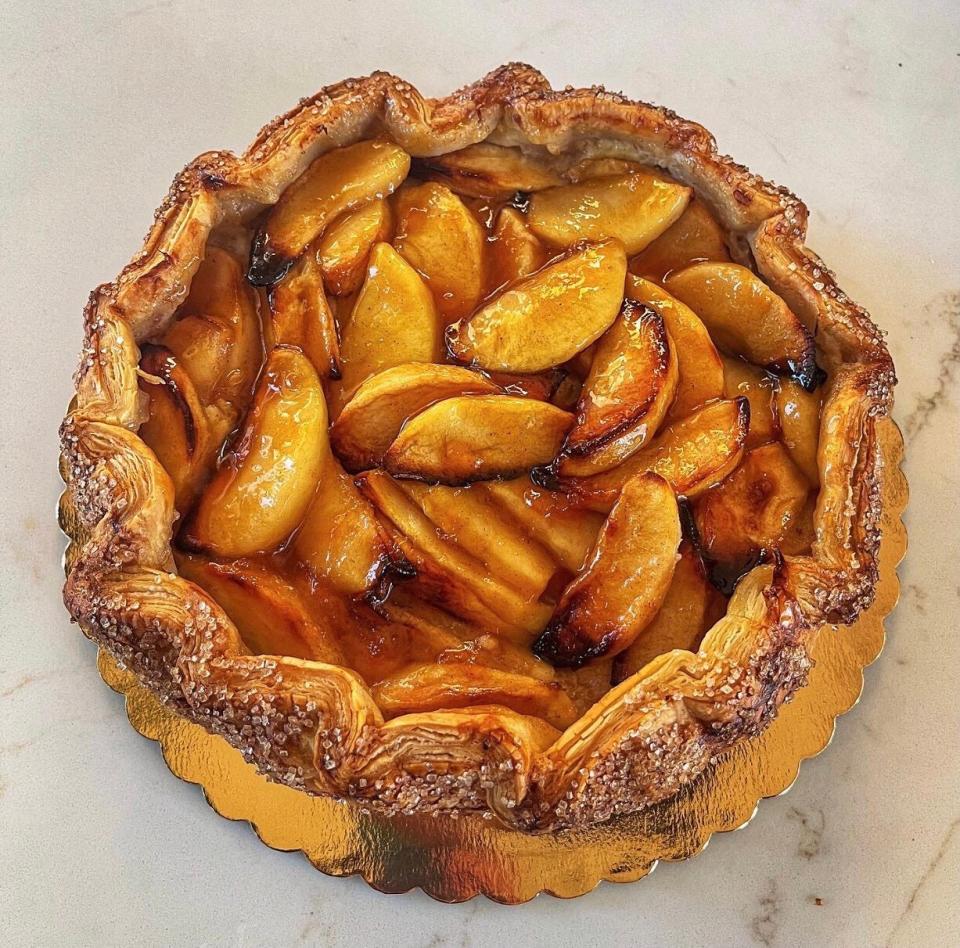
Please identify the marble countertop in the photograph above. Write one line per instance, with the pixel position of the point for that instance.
(852, 105)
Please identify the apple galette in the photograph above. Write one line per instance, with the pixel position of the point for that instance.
(499, 453)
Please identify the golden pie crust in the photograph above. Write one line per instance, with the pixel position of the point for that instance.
(316, 727)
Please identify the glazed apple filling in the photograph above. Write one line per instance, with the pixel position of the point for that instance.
(488, 428)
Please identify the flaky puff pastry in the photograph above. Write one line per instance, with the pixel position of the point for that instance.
(316, 727)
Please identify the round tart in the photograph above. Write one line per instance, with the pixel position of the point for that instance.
(495, 454)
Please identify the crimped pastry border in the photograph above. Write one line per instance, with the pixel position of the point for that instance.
(315, 726)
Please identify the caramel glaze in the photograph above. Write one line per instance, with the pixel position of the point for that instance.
(373, 632)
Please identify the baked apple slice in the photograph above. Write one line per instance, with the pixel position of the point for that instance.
(491, 171)
(445, 573)
(176, 429)
(341, 540)
(345, 247)
(699, 369)
(798, 412)
(633, 208)
(269, 613)
(691, 606)
(695, 236)
(336, 182)
(622, 587)
(202, 346)
(226, 359)
(801, 532)
(548, 317)
(548, 517)
(262, 491)
(567, 392)
(753, 508)
(581, 363)
(484, 530)
(741, 379)
(443, 241)
(495, 652)
(372, 419)
(746, 318)
(631, 384)
(301, 316)
(588, 168)
(514, 252)
(406, 607)
(394, 320)
(693, 454)
(435, 687)
(478, 437)
(541, 386)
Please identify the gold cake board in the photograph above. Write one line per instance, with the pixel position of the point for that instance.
(456, 859)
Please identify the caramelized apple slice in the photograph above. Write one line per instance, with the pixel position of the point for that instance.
(588, 684)
(691, 606)
(176, 429)
(588, 168)
(514, 252)
(753, 508)
(692, 454)
(695, 236)
(484, 530)
(540, 386)
(340, 539)
(548, 317)
(495, 652)
(269, 613)
(260, 494)
(439, 237)
(345, 246)
(563, 529)
(799, 415)
(492, 171)
(582, 362)
(445, 573)
(474, 438)
(746, 318)
(633, 208)
(631, 385)
(372, 419)
(226, 358)
(759, 388)
(627, 576)
(300, 316)
(201, 345)
(567, 393)
(699, 369)
(393, 321)
(407, 607)
(432, 687)
(801, 532)
(336, 182)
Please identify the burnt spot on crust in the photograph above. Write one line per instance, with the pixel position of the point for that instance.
(213, 180)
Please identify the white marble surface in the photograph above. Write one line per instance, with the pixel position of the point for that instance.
(853, 105)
